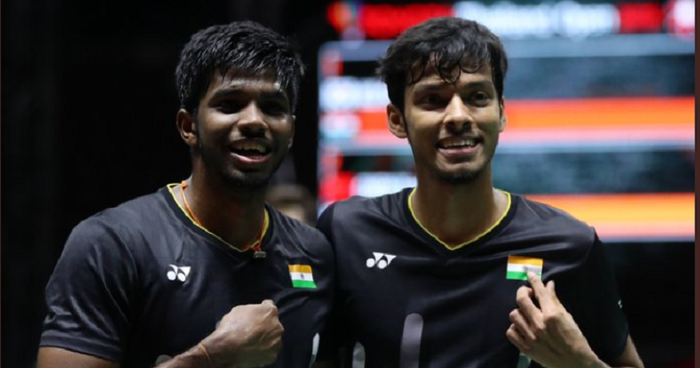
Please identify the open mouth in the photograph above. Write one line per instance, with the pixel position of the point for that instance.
(250, 148)
(458, 143)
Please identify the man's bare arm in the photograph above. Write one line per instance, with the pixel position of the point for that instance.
(248, 336)
(50, 357)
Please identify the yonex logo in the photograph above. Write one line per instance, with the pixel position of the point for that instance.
(179, 273)
(381, 260)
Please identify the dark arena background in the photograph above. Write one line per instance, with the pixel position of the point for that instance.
(600, 97)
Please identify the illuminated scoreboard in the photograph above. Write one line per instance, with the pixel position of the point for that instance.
(599, 97)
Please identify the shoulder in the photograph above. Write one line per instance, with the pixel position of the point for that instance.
(137, 212)
(121, 224)
(109, 245)
(292, 232)
(546, 214)
(554, 222)
(288, 226)
(387, 206)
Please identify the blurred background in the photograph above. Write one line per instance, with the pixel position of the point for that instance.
(600, 99)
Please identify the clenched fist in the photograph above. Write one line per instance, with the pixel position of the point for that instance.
(248, 336)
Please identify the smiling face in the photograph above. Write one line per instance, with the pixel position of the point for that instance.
(453, 128)
(242, 130)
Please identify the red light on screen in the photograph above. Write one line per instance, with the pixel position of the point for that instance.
(388, 21)
(640, 17)
(332, 64)
(336, 187)
(340, 15)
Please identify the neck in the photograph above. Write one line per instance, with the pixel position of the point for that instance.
(235, 215)
(457, 213)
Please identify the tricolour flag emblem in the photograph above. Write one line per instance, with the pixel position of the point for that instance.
(302, 277)
(518, 267)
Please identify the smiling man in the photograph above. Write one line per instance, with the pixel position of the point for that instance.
(202, 273)
(448, 274)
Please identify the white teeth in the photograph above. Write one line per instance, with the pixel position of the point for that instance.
(469, 142)
(250, 146)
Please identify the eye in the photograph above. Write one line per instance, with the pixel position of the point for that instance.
(274, 108)
(432, 100)
(229, 106)
(481, 98)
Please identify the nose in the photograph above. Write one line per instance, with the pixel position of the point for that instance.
(251, 122)
(457, 115)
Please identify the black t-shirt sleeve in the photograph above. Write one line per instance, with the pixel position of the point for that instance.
(331, 335)
(325, 220)
(593, 301)
(89, 293)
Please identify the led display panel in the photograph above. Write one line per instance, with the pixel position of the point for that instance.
(600, 103)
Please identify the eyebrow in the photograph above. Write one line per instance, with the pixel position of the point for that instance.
(437, 86)
(236, 91)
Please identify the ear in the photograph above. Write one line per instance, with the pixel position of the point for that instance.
(504, 118)
(397, 124)
(291, 136)
(187, 127)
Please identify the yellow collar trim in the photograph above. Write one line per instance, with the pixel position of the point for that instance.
(458, 246)
(265, 226)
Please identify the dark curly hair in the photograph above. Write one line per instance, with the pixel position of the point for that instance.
(245, 47)
(442, 43)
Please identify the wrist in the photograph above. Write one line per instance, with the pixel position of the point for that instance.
(592, 361)
(216, 352)
(207, 358)
(192, 358)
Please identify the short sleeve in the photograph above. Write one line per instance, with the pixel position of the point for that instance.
(324, 223)
(593, 301)
(331, 336)
(89, 293)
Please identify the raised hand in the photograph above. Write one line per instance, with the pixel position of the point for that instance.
(548, 334)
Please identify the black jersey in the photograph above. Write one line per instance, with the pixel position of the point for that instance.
(141, 282)
(406, 300)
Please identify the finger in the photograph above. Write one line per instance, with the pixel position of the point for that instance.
(535, 282)
(526, 290)
(280, 327)
(516, 339)
(553, 292)
(521, 325)
(527, 307)
(271, 305)
(541, 292)
(269, 311)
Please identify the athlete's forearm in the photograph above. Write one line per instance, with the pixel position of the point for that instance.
(196, 357)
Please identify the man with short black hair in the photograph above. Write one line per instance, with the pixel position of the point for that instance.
(448, 274)
(202, 273)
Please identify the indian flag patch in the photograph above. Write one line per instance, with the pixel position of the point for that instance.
(302, 277)
(518, 267)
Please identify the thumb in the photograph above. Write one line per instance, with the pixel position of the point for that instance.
(268, 302)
